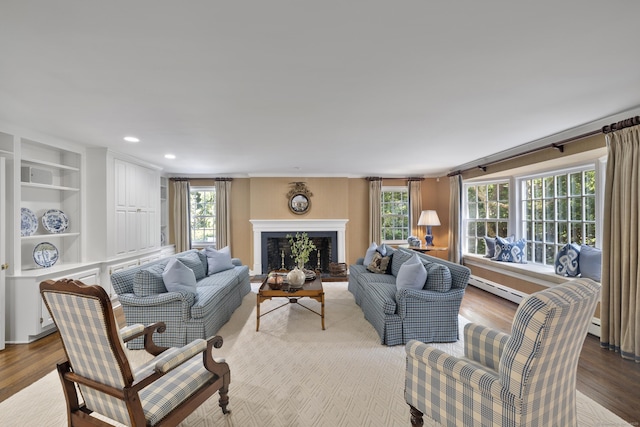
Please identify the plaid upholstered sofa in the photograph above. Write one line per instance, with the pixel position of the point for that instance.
(187, 315)
(400, 315)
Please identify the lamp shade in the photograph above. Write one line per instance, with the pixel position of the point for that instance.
(429, 218)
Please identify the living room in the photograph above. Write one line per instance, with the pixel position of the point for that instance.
(267, 96)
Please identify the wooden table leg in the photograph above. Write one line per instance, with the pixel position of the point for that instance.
(322, 310)
(258, 313)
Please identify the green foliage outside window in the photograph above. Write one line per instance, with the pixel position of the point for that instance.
(558, 209)
(203, 214)
(487, 214)
(395, 214)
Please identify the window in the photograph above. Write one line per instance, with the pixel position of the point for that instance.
(557, 209)
(203, 215)
(395, 214)
(487, 214)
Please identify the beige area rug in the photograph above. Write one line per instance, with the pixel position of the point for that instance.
(291, 373)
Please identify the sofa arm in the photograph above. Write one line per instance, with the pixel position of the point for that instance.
(184, 299)
(236, 261)
(484, 345)
(421, 358)
(360, 261)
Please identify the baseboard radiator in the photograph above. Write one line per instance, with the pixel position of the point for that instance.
(497, 289)
(517, 296)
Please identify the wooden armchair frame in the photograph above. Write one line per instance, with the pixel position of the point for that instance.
(79, 414)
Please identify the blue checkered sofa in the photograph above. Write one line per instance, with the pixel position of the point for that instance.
(402, 315)
(525, 378)
(187, 316)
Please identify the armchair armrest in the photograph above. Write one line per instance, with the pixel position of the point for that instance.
(484, 345)
(176, 356)
(132, 331)
(421, 356)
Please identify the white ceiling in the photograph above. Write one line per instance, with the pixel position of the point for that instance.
(315, 88)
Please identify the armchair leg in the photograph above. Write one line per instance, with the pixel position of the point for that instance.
(416, 417)
(224, 399)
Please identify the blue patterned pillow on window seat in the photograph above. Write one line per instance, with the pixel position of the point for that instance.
(567, 260)
(510, 251)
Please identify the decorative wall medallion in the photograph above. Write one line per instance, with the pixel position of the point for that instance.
(299, 198)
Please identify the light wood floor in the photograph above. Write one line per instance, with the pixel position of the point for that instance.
(602, 375)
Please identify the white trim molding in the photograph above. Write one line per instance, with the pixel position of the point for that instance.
(293, 225)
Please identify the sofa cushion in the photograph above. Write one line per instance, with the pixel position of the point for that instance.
(148, 281)
(221, 278)
(379, 263)
(438, 277)
(412, 274)
(371, 251)
(590, 262)
(399, 258)
(218, 260)
(566, 263)
(192, 260)
(178, 277)
(510, 251)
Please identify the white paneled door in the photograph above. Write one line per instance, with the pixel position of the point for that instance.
(3, 262)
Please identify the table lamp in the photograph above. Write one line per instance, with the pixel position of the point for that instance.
(429, 218)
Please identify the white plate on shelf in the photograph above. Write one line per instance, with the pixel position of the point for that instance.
(55, 221)
(45, 254)
(28, 222)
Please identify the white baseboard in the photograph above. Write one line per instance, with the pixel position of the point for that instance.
(497, 289)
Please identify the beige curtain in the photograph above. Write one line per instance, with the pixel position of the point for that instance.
(455, 219)
(375, 225)
(620, 307)
(223, 214)
(181, 219)
(415, 205)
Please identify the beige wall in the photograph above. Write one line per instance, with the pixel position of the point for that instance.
(333, 198)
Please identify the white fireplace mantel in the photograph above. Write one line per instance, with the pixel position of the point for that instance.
(294, 225)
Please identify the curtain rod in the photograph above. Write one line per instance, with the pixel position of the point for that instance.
(411, 178)
(558, 145)
(189, 179)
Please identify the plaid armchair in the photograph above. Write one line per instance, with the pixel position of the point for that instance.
(161, 392)
(527, 378)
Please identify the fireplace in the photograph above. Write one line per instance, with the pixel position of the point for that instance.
(276, 250)
(325, 229)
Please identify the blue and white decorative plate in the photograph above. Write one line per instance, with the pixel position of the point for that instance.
(55, 221)
(28, 222)
(45, 254)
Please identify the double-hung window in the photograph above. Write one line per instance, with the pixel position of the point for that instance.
(486, 213)
(558, 208)
(394, 209)
(548, 210)
(203, 215)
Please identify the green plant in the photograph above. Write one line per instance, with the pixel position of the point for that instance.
(301, 247)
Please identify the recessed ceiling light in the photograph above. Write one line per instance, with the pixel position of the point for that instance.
(131, 139)
(169, 156)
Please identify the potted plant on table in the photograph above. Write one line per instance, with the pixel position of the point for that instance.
(301, 247)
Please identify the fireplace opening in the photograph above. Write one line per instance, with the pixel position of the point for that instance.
(276, 250)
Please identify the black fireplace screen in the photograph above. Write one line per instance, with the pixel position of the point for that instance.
(276, 251)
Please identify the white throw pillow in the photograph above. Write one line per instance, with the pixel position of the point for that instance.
(178, 277)
(412, 274)
(368, 256)
(218, 261)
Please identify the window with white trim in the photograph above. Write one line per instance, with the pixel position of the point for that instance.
(486, 214)
(394, 212)
(558, 208)
(203, 215)
(548, 210)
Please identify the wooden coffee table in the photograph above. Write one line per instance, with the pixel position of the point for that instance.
(311, 289)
